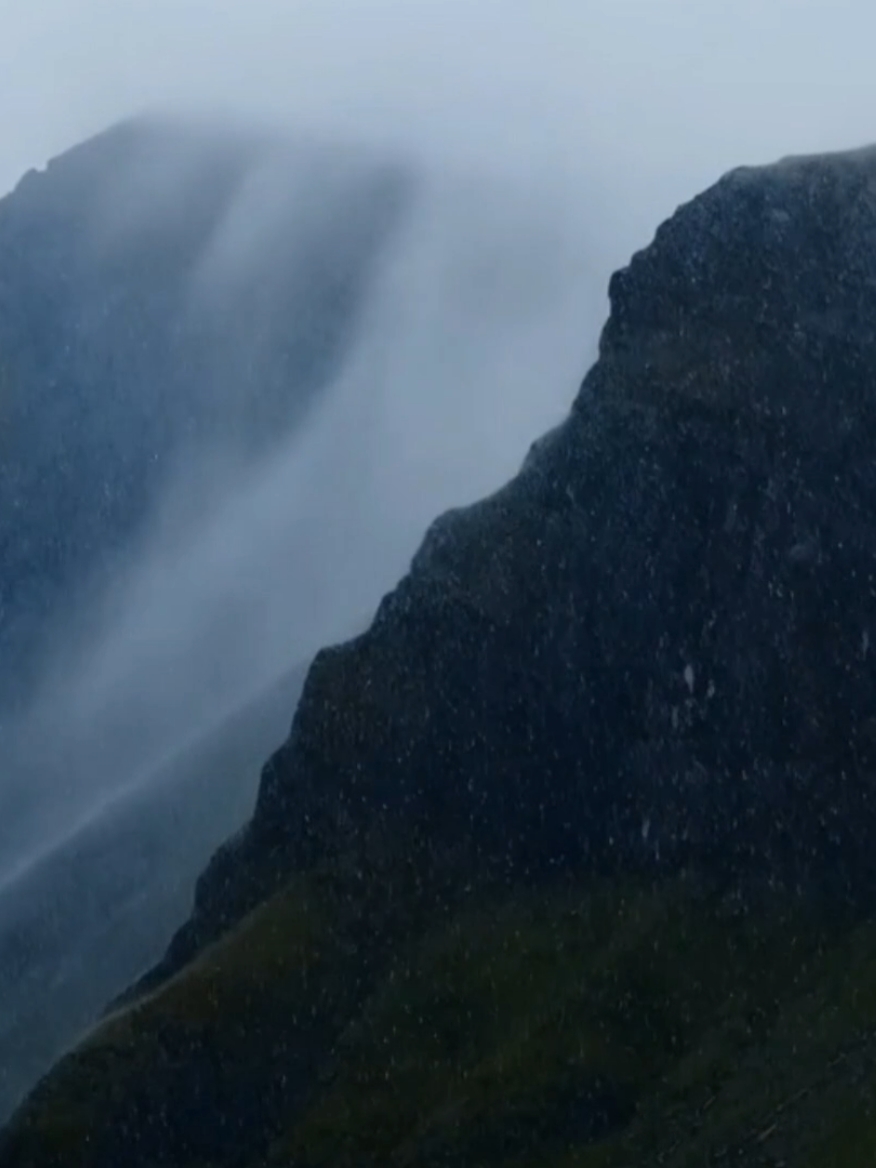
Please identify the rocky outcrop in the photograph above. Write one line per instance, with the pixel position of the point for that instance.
(568, 857)
(653, 647)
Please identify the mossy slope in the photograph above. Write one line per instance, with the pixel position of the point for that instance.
(613, 1024)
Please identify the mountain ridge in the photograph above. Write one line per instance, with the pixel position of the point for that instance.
(567, 859)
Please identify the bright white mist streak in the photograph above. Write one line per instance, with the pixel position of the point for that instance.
(473, 344)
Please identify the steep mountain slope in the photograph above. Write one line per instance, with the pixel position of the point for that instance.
(567, 859)
(165, 289)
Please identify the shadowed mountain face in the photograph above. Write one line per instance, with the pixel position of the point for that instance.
(164, 291)
(568, 859)
(652, 648)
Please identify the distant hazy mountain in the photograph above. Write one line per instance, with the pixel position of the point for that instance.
(164, 288)
(173, 299)
(89, 914)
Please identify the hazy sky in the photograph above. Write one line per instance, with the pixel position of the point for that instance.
(658, 95)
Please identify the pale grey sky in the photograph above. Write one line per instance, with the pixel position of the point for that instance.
(658, 96)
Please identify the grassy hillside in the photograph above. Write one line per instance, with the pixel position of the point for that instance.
(612, 1024)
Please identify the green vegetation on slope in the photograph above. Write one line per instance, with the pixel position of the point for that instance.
(598, 1026)
(612, 1025)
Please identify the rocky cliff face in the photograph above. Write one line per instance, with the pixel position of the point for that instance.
(652, 648)
(567, 859)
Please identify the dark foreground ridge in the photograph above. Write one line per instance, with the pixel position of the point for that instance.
(568, 859)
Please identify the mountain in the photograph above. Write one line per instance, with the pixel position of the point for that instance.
(176, 298)
(173, 298)
(567, 859)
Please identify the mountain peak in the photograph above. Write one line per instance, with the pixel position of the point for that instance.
(759, 296)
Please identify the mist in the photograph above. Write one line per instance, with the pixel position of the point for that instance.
(547, 141)
(653, 98)
(471, 343)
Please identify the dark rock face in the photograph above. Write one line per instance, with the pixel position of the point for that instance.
(628, 704)
(164, 288)
(652, 648)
